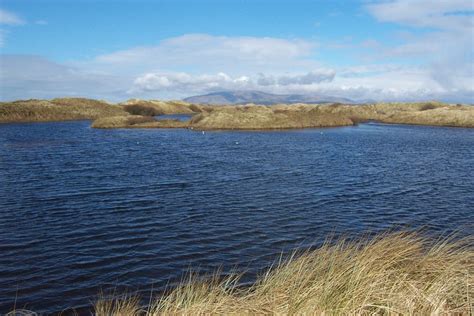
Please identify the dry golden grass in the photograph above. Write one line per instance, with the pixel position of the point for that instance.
(56, 110)
(121, 121)
(248, 117)
(257, 117)
(140, 109)
(136, 121)
(126, 305)
(163, 107)
(392, 274)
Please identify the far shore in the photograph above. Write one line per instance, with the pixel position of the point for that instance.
(141, 114)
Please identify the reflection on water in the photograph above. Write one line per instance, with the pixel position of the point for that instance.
(84, 209)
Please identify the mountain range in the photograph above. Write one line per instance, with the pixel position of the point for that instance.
(258, 97)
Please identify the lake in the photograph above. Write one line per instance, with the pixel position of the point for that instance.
(83, 209)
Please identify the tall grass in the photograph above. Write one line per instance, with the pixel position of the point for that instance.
(57, 110)
(391, 274)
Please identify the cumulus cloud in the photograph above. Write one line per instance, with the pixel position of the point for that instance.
(208, 53)
(198, 63)
(186, 82)
(317, 76)
(440, 14)
(445, 48)
(198, 46)
(222, 81)
(10, 18)
(309, 78)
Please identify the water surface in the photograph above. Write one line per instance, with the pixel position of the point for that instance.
(83, 209)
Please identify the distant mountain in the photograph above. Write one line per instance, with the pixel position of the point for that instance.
(258, 97)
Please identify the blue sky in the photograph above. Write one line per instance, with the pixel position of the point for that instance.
(115, 50)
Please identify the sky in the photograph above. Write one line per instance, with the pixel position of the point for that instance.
(380, 50)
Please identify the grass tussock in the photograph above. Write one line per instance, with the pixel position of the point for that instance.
(392, 274)
(121, 121)
(163, 107)
(144, 110)
(136, 121)
(256, 117)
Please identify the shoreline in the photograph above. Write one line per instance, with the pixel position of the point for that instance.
(392, 271)
(141, 114)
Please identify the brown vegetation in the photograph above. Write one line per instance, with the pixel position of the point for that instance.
(392, 274)
(121, 121)
(136, 121)
(254, 117)
(251, 116)
(57, 110)
(139, 109)
(163, 107)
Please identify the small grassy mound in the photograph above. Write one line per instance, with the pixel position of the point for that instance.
(136, 121)
(392, 274)
(255, 117)
(65, 109)
(144, 110)
(163, 107)
(121, 121)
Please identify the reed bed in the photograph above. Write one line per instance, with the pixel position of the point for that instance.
(390, 274)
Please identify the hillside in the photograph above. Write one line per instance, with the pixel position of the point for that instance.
(258, 97)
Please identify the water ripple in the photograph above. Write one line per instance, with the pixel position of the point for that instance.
(83, 209)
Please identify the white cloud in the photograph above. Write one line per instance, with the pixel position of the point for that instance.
(186, 82)
(440, 14)
(208, 53)
(199, 63)
(316, 76)
(10, 18)
(445, 48)
(26, 76)
(222, 81)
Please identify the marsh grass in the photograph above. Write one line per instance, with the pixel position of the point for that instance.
(57, 110)
(121, 121)
(144, 110)
(163, 107)
(245, 117)
(390, 274)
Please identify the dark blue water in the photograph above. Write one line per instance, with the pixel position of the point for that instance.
(84, 209)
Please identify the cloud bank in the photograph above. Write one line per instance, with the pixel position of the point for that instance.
(431, 57)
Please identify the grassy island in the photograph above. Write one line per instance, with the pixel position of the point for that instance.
(297, 116)
(141, 114)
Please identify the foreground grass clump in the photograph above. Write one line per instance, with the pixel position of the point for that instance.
(392, 274)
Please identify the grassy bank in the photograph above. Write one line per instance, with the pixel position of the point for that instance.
(136, 121)
(65, 109)
(247, 117)
(392, 274)
(255, 117)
